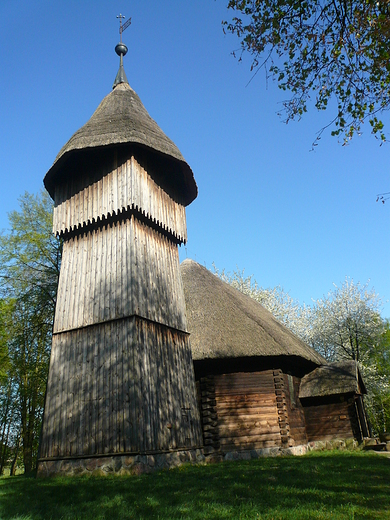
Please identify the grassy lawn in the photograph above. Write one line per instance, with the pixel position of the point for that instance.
(337, 485)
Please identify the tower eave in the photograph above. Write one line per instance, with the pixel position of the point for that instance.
(121, 119)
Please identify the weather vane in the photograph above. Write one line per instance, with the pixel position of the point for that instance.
(124, 26)
(121, 51)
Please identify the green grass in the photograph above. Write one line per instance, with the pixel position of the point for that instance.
(336, 485)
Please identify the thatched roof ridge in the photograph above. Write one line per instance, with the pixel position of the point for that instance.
(121, 118)
(225, 323)
(342, 377)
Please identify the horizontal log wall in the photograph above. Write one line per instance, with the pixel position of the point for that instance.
(295, 412)
(124, 386)
(239, 411)
(208, 412)
(127, 187)
(117, 271)
(330, 421)
(281, 404)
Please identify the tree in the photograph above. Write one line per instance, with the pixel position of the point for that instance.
(346, 324)
(377, 375)
(9, 421)
(322, 50)
(7, 397)
(30, 259)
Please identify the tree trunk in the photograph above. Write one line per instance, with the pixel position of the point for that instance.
(5, 432)
(4, 450)
(27, 459)
(15, 458)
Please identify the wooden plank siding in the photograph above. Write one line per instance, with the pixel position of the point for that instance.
(330, 420)
(121, 376)
(109, 388)
(107, 193)
(118, 271)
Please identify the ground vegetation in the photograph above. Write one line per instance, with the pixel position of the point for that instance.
(318, 486)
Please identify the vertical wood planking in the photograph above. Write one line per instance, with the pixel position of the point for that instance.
(121, 383)
(105, 197)
(100, 389)
(97, 282)
(141, 397)
(134, 382)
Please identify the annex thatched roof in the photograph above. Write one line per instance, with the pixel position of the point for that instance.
(121, 119)
(225, 323)
(342, 377)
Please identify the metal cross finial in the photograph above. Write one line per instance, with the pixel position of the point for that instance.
(124, 26)
(120, 16)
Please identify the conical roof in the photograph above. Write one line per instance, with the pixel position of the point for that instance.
(121, 119)
(225, 323)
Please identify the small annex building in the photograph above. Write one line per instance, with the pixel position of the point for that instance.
(332, 400)
(259, 385)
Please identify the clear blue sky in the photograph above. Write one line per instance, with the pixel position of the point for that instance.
(267, 204)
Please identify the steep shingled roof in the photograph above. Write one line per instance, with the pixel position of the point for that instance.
(225, 323)
(342, 377)
(120, 119)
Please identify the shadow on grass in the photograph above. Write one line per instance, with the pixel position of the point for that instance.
(339, 485)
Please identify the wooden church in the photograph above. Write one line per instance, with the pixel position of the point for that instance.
(127, 392)
(121, 379)
(259, 386)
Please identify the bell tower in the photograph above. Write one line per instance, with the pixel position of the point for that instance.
(121, 389)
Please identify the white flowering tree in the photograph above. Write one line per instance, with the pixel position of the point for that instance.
(346, 323)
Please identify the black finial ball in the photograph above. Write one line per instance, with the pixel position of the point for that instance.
(121, 49)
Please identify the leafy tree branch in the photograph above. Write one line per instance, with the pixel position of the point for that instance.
(320, 51)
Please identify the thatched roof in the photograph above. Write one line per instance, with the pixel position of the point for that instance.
(122, 119)
(342, 377)
(225, 323)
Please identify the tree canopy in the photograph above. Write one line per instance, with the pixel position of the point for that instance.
(319, 51)
(30, 259)
(346, 323)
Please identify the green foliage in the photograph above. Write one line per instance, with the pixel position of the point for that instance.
(320, 51)
(378, 368)
(29, 268)
(30, 255)
(346, 324)
(318, 486)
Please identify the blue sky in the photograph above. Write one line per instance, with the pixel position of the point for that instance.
(290, 216)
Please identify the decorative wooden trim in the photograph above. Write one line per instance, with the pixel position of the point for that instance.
(113, 320)
(128, 188)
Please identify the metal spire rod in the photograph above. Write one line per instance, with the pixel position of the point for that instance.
(121, 51)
